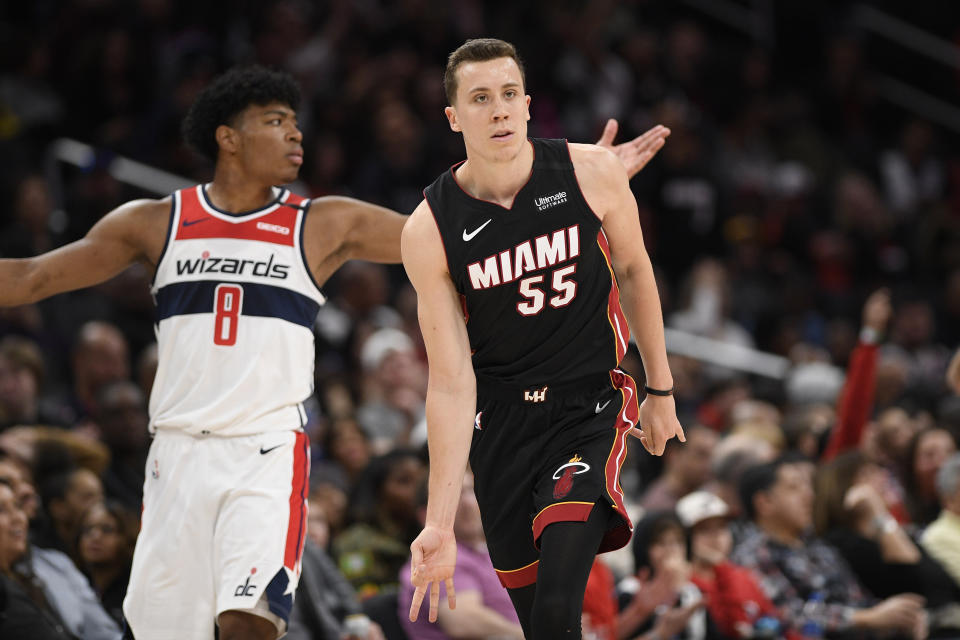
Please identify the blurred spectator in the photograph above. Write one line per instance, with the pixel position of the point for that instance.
(733, 596)
(796, 568)
(732, 456)
(483, 606)
(666, 603)
(851, 512)
(382, 509)
(928, 450)
(24, 612)
(325, 599)
(330, 501)
(32, 208)
(66, 492)
(99, 356)
(108, 533)
(16, 474)
(121, 419)
(686, 467)
(348, 452)
(942, 537)
(22, 375)
(395, 390)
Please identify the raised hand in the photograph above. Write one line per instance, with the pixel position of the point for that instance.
(636, 153)
(434, 557)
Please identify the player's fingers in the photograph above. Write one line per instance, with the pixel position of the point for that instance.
(434, 600)
(416, 557)
(609, 134)
(451, 594)
(646, 443)
(681, 436)
(415, 603)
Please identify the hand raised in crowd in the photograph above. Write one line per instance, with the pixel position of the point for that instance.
(434, 557)
(636, 153)
(877, 311)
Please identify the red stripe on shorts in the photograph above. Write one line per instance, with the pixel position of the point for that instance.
(626, 420)
(296, 527)
(519, 577)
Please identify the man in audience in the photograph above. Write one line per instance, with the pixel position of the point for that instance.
(942, 537)
(121, 418)
(796, 568)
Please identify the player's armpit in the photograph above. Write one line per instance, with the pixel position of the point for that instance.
(134, 231)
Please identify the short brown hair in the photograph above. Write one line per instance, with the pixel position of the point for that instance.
(477, 50)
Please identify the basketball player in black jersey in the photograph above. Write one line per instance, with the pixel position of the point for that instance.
(521, 257)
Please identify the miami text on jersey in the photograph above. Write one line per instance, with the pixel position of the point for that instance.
(530, 255)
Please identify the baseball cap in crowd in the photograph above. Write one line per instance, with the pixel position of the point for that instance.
(698, 506)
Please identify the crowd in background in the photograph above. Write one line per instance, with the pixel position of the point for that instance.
(792, 210)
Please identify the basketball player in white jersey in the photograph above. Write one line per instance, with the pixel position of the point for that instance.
(238, 264)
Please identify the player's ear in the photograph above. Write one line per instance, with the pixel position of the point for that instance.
(227, 138)
(451, 114)
(528, 107)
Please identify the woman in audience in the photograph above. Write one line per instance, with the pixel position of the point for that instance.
(371, 551)
(928, 450)
(851, 512)
(24, 612)
(105, 548)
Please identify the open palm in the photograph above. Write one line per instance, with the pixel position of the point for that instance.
(634, 154)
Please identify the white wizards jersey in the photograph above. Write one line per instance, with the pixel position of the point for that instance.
(236, 304)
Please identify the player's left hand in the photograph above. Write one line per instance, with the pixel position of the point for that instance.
(635, 154)
(658, 423)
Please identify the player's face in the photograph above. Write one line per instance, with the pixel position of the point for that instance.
(269, 142)
(491, 109)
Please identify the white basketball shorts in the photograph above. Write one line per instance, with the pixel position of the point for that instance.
(224, 521)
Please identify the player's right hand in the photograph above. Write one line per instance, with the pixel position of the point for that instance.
(434, 557)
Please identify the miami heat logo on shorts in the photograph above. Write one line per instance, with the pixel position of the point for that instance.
(564, 476)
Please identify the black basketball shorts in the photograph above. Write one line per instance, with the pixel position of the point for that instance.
(548, 454)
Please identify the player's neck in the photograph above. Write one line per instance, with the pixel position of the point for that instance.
(233, 192)
(496, 181)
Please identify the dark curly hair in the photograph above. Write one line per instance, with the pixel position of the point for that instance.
(228, 95)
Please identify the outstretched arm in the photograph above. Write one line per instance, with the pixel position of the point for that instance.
(365, 231)
(634, 154)
(134, 231)
(451, 406)
(605, 186)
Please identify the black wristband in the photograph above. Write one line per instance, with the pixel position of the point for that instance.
(658, 392)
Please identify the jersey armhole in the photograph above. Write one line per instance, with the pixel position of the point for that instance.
(583, 198)
(443, 245)
(304, 209)
(171, 229)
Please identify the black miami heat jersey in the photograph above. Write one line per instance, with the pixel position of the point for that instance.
(540, 297)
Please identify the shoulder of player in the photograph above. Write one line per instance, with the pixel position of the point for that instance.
(139, 216)
(591, 161)
(420, 241)
(420, 226)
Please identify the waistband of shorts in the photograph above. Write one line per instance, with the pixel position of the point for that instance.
(541, 393)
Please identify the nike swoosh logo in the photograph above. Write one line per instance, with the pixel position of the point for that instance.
(187, 223)
(263, 451)
(467, 237)
(603, 406)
